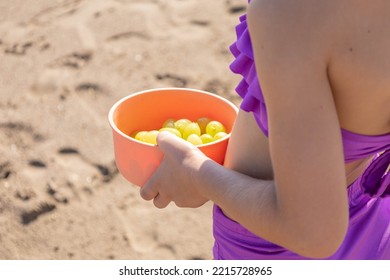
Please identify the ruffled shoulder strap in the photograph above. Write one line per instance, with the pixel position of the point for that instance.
(249, 87)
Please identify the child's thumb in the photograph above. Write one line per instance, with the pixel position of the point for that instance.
(170, 143)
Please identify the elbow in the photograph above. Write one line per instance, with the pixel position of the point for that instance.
(324, 248)
(322, 244)
(315, 236)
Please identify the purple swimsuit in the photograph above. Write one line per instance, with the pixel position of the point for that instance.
(368, 235)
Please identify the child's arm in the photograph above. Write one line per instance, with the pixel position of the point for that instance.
(305, 208)
(308, 200)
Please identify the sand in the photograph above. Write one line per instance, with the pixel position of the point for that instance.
(63, 64)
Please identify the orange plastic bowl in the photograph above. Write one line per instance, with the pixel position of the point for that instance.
(147, 110)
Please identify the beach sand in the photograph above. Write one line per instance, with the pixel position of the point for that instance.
(64, 63)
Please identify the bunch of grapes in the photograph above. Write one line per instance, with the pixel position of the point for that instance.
(202, 131)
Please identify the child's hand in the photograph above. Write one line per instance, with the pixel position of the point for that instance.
(175, 178)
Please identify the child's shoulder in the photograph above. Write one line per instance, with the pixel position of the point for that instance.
(298, 10)
(295, 20)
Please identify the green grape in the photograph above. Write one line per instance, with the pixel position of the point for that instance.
(151, 137)
(181, 124)
(214, 127)
(194, 139)
(203, 122)
(140, 136)
(202, 131)
(206, 138)
(171, 130)
(219, 135)
(169, 123)
(134, 133)
(191, 128)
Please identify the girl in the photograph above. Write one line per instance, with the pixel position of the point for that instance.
(306, 170)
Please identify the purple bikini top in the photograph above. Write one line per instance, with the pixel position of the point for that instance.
(355, 145)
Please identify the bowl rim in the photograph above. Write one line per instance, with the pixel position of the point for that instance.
(120, 101)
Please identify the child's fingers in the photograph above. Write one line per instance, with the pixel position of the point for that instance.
(171, 144)
(160, 201)
(149, 190)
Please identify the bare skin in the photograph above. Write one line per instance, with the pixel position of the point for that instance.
(322, 68)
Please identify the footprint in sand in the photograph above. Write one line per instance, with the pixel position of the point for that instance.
(18, 49)
(5, 170)
(21, 41)
(54, 12)
(235, 6)
(29, 216)
(31, 202)
(29, 205)
(172, 79)
(75, 179)
(75, 60)
(19, 135)
(81, 171)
